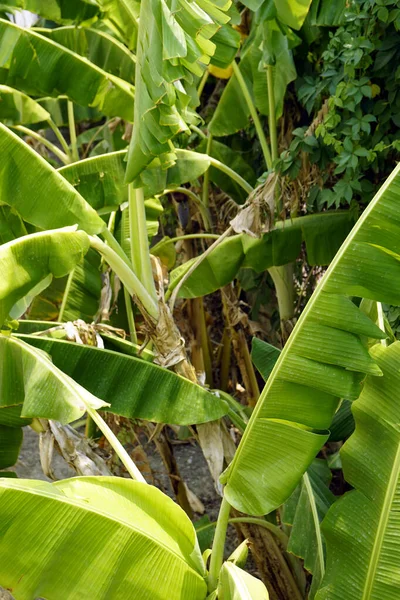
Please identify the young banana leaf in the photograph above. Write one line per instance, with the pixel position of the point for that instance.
(361, 528)
(125, 539)
(38, 66)
(304, 511)
(173, 45)
(133, 387)
(39, 184)
(323, 360)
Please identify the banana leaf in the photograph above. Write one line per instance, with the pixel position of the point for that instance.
(97, 538)
(10, 444)
(292, 12)
(40, 67)
(121, 17)
(38, 185)
(323, 360)
(17, 108)
(133, 387)
(322, 233)
(58, 109)
(362, 527)
(324, 13)
(227, 43)
(342, 425)
(173, 45)
(98, 47)
(265, 45)
(236, 584)
(304, 511)
(60, 11)
(31, 380)
(100, 180)
(83, 294)
(264, 356)
(32, 261)
(234, 160)
(11, 224)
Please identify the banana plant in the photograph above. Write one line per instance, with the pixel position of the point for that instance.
(324, 360)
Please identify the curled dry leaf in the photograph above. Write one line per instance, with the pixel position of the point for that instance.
(258, 214)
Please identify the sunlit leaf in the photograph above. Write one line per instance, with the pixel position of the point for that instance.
(28, 261)
(38, 184)
(324, 360)
(17, 108)
(38, 66)
(130, 531)
(135, 388)
(361, 528)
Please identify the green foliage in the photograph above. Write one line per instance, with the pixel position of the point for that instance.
(37, 182)
(28, 265)
(173, 48)
(134, 388)
(36, 65)
(102, 514)
(354, 139)
(323, 361)
(371, 465)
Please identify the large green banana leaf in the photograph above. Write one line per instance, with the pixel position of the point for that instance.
(323, 360)
(322, 233)
(173, 45)
(362, 528)
(100, 179)
(97, 46)
(40, 67)
(133, 387)
(17, 108)
(32, 186)
(96, 538)
(29, 378)
(60, 11)
(30, 263)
